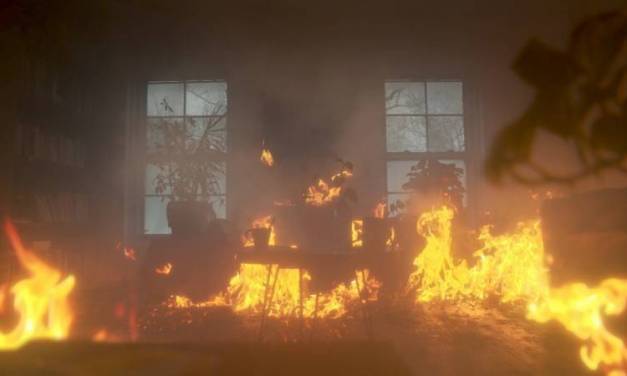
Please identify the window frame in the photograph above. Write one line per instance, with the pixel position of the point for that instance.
(414, 156)
(147, 158)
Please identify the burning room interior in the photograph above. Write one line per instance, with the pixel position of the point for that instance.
(279, 187)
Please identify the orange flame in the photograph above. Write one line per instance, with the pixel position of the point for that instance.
(580, 309)
(164, 269)
(266, 158)
(322, 193)
(513, 266)
(261, 222)
(357, 226)
(247, 292)
(379, 210)
(41, 300)
(129, 253)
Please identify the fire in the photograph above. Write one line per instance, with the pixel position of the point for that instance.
(164, 269)
(40, 300)
(357, 226)
(509, 265)
(261, 222)
(129, 253)
(391, 238)
(580, 309)
(246, 293)
(322, 193)
(379, 210)
(513, 266)
(266, 158)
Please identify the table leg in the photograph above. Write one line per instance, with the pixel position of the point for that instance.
(267, 297)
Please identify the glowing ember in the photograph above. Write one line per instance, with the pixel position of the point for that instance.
(261, 222)
(246, 293)
(40, 300)
(322, 193)
(164, 269)
(100, 336)
(266, 158)
(357, 226)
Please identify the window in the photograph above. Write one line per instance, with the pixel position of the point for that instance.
(186, 129)
(424, 119)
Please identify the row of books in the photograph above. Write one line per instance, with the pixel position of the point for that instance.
(63, 207)
(37, 144)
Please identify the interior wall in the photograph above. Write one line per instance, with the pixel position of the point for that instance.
(308, 80)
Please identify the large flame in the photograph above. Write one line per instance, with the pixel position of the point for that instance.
(513, 267)
(580, 309)
(40, 300)
(250, 289)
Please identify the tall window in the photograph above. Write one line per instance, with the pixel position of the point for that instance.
(424, 119)
(185, 148)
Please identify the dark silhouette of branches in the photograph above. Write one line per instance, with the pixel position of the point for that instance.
(581, 97)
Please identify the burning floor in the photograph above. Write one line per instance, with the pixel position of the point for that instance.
(450, 316)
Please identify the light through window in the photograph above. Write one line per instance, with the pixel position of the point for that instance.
(186, 130)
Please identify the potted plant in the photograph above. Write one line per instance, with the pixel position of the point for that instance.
(189, 168)
(437, 181)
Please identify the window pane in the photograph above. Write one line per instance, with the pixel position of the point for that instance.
(397, 202)
(163, 134)
(444, 98)
(405, 98)
(218, 177)
(165, 99)
(206, 98)
(219, 206)
(153, 171)
(446, 133)
(155, 215)
(406, 133)
(397, 174)
(207, 134)
(194, 177)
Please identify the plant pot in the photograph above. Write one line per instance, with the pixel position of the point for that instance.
(189, 217)
(260, 236)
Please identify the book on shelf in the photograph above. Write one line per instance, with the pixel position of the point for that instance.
(62, 207)
(37, 144)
